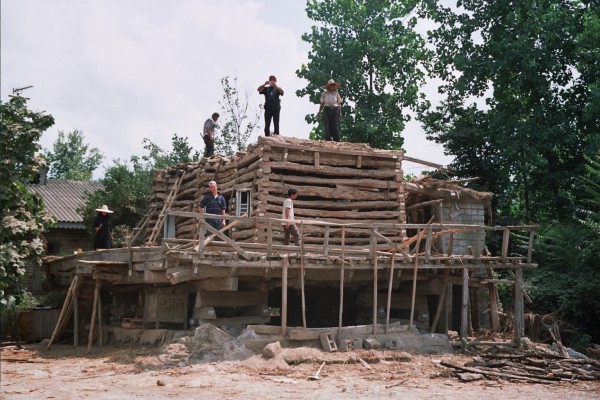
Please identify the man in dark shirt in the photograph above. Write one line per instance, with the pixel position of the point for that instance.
(272, 104)
(213, 203)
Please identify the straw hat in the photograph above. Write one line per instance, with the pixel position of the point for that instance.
(105, 209)
(330, 83)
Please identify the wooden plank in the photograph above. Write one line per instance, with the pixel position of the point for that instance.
(230, 299)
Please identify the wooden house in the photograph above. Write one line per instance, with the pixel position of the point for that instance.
(376, 249)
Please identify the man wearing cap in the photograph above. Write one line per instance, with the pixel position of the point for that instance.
(332, 102)
(272, 104)
(213, 203)
(103, 229)
(289, 227)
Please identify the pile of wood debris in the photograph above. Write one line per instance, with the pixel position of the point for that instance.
(537, 365)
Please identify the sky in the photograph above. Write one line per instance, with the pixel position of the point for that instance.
(124, 70)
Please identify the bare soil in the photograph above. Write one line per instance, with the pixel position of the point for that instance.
(123, 372)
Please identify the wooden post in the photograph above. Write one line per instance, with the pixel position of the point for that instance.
(75, 321)
(450, 244)
(326, 241)
(341, 287)
(505, 237)
(464, 316)
(303, 293)
(100, 333)
(518, 311)
(530, 246)
(93, 319)
(156, 312)
(494, 320)
(64, 311)
(284, 285)
(374, 252)
(201, 235)
(441, 301)
(269, 237)
(414, 288)
(389, 294)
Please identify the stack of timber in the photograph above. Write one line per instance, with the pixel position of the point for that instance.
(533, 366)
(343, 183)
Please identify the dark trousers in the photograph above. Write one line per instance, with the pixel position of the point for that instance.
(332, 123)
(209, 147)
(271, 114)
(217, 224)
(292, 230)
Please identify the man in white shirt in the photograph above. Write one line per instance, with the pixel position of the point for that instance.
(208, 135)
(331, 101)
(289, 227)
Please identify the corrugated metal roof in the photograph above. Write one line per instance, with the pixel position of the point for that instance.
(63, 197)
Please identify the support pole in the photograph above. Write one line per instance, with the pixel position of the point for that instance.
(494, 319)
(93, 319)
(303, 293)
(389, 294)
(75, 320)
(374, 252)
(518, 311)
(441, 301)
(100, 333)
(341, 287)
(464, 316)
(414, 288)
(284, 286)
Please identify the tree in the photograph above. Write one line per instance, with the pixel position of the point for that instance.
(238, 123)
(567, 285)
(23, 217)
(128, 185)
(72, 159)
(523, 136)
(371, 48)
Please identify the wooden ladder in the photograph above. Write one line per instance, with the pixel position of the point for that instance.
(166, 207)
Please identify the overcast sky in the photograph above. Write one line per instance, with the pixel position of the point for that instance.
(125, 70)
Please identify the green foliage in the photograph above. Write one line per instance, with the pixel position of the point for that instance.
(238, 122)
(22, 214)
(514, 105)
(372, 49)
(127, 186)
(72, 159)
(567, 251)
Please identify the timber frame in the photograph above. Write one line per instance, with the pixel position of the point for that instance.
(353, 212)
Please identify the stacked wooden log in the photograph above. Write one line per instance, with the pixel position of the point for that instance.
(343, 183)
(533, 366)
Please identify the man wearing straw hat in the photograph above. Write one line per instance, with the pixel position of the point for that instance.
(332, 102)
(103, 229)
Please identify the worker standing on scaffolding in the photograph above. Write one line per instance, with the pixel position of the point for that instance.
(213, 203)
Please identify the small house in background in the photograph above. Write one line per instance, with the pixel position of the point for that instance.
(62, 198)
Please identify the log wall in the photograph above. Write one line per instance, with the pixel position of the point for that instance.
(336, 182)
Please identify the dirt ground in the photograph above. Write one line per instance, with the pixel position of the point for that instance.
(124, 372)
